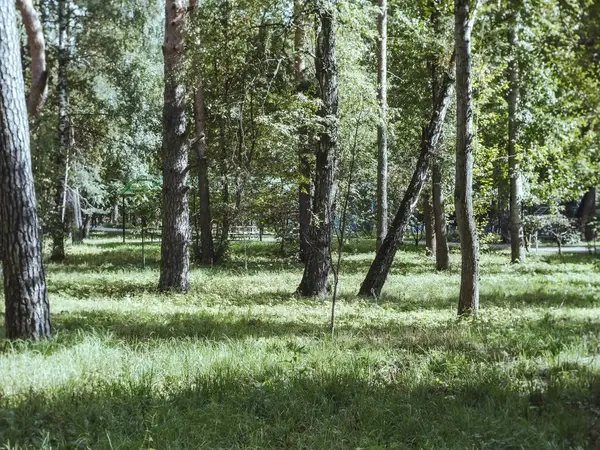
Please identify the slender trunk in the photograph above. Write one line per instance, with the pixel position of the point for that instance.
(342, 234)
(225, 225)
(380, 267)
(64, 135)
(304, 149)
(442, 260)
(206, 237)
(77, 224)
(382, 131)
(27, 310)
(87, 223)
(517, 244)
(315, 280)
(175, 263)
(35, 41)
(429, 219)
(463, 196)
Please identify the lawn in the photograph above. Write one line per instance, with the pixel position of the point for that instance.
(239, 362)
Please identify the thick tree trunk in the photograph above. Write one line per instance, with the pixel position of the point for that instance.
(304, 149)
(517, 237)
(64, 135)
(381, 211)
(463, 196)
(442, 260)
(315, 280)
(27, 311)
(36, 43)
(382, 264)
(175, 262)
(206, 237)
(429, 222)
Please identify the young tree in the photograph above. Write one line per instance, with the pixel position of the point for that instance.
(382, 264)
(175, 263)
(27, 311)
(205, 212)
(64, 135)
(207, 253)
(315, 280)
(382, 131)
(517, 237)
(442, 260)
(464, 11)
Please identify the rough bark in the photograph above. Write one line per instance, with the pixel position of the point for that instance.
(517, 236)
(35, 41)
(315, 280)
(206, 237)
(27, 311)
(381, 213)
(442, 260)
(382, 264)
(429, 222)
(304, 149)
(175, 263)
(64, 135)
(463, 194)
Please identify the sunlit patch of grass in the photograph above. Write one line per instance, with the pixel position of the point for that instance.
(241, 362)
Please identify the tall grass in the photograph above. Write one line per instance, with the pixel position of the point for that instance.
(239, 362)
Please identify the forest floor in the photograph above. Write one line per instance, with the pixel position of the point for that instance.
(239, 362)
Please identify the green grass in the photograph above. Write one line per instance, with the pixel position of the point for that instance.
(239, 362)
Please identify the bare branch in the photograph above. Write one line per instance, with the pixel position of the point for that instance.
(35, 40)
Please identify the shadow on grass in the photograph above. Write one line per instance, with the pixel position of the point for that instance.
(534, 338)
(283, 407)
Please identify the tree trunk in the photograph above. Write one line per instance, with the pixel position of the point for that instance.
(463, 196)
(429, 223)
(27, 311)
(382, 264)
(64, 135)
(442, 260)
(304, 149)
(206, 237)
(315, 280)
(381, 211)
(36, 43)
(517, 244)
(175, 260)
(87, 223)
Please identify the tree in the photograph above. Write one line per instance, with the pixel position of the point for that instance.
(27, 310)
(304, 188)
(207, 254)
(175, 264)
(517, 237)
(382, 132)
(315, 280)
(463, 195)
(382, 264)
(64, 135)
(442, 259)
(561, 229)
